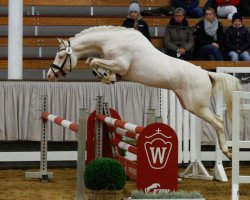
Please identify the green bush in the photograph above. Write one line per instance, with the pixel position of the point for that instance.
(104, 174)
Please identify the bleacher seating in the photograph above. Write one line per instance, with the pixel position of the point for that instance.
(45, 20)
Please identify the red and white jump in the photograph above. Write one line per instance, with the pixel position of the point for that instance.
(156, 150)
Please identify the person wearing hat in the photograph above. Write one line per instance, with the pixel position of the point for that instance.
(237, 40)
(134, 20)
(178, 37)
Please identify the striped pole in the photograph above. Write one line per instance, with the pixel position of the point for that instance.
(124, 146)
(58, 120)
(124, 132)
(121, 124)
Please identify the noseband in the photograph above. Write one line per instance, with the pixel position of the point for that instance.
(53, 66)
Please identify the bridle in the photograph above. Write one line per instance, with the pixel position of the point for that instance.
(53, 66)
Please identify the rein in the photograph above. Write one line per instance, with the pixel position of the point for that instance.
(53, 66)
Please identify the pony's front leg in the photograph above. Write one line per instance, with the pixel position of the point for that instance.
(118, 66)
(101, 65)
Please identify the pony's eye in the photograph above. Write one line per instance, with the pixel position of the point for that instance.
(61, 54)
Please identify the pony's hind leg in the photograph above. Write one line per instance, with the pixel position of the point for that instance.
(218, 124)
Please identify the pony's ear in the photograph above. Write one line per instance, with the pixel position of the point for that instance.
(61, 41)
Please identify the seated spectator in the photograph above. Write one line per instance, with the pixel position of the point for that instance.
(226, 8)
(209, 3)
(191, 7)
(209, 37)
(134, 20)
(237, 40)
(244, 8)
(178, 37)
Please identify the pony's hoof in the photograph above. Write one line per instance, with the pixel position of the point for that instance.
(88, 61)
(228, 155)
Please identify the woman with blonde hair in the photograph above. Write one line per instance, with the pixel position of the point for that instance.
(209, 36)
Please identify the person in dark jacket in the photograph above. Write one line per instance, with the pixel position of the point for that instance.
(244, 8)
(178, 37)
(237, 40)
(191, 7)
(134, 20)
(209, 37)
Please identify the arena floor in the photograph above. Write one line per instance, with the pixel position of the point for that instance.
(13, 186)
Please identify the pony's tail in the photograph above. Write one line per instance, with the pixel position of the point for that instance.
(227, 83)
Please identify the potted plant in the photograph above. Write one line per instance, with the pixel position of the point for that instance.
(104, 178)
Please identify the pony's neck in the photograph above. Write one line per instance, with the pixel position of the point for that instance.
(83, 45)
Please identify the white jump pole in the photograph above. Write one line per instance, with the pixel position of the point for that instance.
(15, 40)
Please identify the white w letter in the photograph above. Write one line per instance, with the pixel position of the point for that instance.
(158, 153)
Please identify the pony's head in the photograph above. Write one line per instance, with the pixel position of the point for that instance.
(64, 62)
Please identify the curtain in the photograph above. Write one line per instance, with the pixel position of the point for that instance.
(21, 104)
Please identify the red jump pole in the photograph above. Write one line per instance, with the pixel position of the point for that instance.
(119, 123)
(58, 120)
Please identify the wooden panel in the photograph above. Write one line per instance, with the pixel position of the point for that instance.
(158, 42)
(52, 41)
(143, 3)
(157, 21)
(39, 64)
(242, 64)
(95, 21)
(52, 2)
(60, 21)
(63, 2)
(213, 64)
(3, 42)
(108, 3)
(125, 3)
(3, 20)
(117, 21)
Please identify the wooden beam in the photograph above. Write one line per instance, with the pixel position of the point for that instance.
(242, 64)
(125, 3)
(211, 65)
(97, 21)
(51, 41)
(51, 3)
(153, 21)
(40, 63)
(104, 3)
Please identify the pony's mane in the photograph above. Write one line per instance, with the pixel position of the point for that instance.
(100, 29)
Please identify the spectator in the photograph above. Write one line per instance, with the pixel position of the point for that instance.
(209, 36)
(226, 8)
(244, 8)
(209, 3)
(237, 40)
(179, 40)
(191, 7)
(134, 20)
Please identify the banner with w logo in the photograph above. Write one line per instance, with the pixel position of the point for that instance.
(158, 158)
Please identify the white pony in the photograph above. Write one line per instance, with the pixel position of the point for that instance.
(129, 54)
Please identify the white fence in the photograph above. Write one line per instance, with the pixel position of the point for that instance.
(187, 127)
(238, 97)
